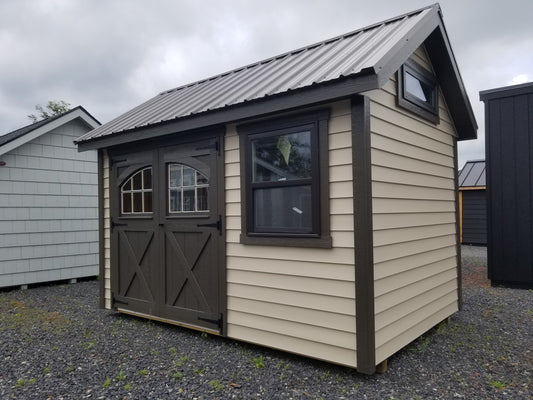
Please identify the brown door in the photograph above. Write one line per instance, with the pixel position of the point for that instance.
(134, 278)
(167, 245)
(191, 233)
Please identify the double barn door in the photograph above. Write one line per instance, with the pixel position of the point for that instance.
(166, 233)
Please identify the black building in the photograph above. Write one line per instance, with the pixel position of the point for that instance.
(509, 155)
(473, 203)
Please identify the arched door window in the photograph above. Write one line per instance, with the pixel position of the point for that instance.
(188, 190)
(136, 193)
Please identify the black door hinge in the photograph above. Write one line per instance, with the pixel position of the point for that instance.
(214, 146)
(218, 322)
(217, 224)
(113, 224)
(116, 301)
(113, 161)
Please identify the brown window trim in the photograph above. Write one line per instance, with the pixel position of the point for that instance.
(321, 237)
(428, 111)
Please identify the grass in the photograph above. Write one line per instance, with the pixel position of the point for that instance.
(258, 362)
(17, 315)
(497, 384)
(215, 384)
(182, 361)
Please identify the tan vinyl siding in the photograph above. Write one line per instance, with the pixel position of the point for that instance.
(413, 195)
(107, 235)
(299, 300)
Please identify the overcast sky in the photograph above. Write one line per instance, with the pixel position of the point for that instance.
(111, 55)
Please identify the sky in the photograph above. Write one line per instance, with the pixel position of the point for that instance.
(111, 55)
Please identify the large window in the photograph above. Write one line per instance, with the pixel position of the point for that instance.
(136, 193)
(417, 91)
(283, 179)
(187, 189)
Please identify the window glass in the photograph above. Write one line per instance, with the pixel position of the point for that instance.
(284, 179)
(201, 198)
(188, 176)
(137, 202)
(147, 200)
(137, 181)
(188, 200)
(147, 179)
(282, 157)
(174, 172)
(175, 200)
(188, 189)
(283, 209)
(126, 203)
(417, 88)
(417, 91)
(136, 193)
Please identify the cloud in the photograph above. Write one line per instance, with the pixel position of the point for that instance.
(518, 79)
(111, 56)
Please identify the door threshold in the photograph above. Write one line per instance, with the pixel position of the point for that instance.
(168, 321)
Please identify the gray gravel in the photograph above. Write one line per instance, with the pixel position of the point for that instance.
(56, 344)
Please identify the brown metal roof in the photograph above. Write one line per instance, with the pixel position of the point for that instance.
(373, 50)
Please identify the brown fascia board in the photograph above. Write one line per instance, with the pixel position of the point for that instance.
(314, 95)
(414, 38)
(451, 83)
(432, 33)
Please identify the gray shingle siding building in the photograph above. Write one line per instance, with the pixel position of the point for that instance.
(48, 202)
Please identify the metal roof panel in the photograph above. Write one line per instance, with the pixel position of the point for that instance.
(473, 174)
(344, 56)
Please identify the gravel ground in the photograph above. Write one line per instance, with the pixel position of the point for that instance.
(56, 344)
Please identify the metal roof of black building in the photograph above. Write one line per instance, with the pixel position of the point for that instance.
(337, 68)
(473, 174)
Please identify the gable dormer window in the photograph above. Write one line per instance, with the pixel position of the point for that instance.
(417, 91)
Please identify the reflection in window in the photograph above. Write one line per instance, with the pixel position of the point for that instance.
(188, 189)
(419, 89)
(136, 193)
(281, 158)
(282, 181)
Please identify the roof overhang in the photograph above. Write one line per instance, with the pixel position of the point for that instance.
(506, 91)
(310, 96)
(55, 122)
(429, 30)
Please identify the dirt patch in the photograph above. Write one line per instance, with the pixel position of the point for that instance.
(474, 271)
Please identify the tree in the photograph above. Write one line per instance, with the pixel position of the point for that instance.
(51, 109)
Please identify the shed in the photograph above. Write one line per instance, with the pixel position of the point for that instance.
(48, 202)
(473, 203)
(306, 202)
(509, 154)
